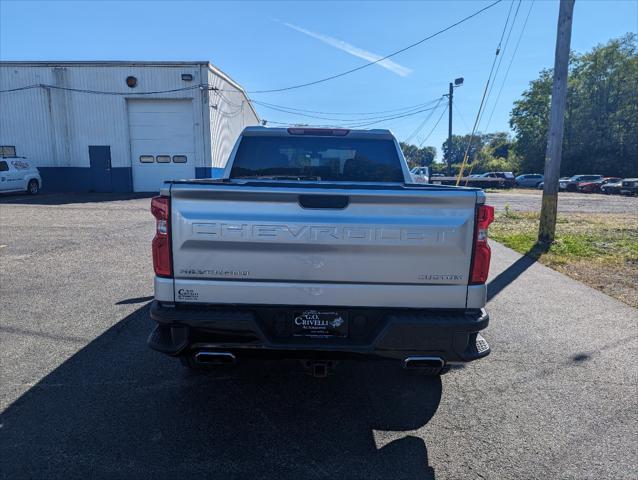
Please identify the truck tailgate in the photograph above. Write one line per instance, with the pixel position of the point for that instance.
(322, 246)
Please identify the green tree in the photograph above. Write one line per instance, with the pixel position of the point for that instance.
(418, 157)
(499, 144)
(459, 145)
(489, 152)
(496, 155)
(601, 118)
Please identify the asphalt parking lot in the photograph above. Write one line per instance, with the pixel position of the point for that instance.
(82, 396)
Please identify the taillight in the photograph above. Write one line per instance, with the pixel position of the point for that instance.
(160, 208)
(482, 253)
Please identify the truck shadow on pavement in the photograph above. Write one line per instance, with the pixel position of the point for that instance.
(515, 270)
(115, 409)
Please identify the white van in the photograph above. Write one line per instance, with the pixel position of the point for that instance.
(18, 175)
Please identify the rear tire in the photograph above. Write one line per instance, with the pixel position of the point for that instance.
(33, 187)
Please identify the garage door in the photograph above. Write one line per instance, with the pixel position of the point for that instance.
(162, 142)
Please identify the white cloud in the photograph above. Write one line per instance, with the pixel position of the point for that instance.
(352, 50)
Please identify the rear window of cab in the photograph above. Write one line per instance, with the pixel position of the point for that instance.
(318, 158)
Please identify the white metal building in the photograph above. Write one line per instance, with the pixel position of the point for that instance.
(121, 126)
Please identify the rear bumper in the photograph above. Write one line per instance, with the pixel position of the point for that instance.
(262, 332)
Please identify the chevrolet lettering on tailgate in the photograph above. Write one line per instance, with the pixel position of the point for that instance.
(319, 233)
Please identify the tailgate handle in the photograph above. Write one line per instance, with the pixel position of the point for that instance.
(324, 201)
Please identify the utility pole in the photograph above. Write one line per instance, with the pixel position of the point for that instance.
(457, 83)
(547, 225)
(449, 130)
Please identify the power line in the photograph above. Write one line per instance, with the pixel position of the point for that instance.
(229, 102)
(433, 128)
(509, 12)
(392, 118)
(98, 92)
(201, 86)
(419, 107)
(358, 125)
(365, 65)
(423, 123)
(500, 60)
(467, 127)
(230, 114)
(480, 110)
(518, 42)
(416, 109)
(294, 109)
(110, 93)
(292, 87)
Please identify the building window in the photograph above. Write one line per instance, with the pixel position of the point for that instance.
(163, 159)
(7, 151)
(179, 158)
(147, 159)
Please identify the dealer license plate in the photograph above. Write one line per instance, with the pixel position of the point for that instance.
(316, 323)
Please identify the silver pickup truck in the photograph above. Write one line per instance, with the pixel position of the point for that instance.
(316, 245)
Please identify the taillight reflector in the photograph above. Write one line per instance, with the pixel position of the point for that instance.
(160, 208)
(482, 254)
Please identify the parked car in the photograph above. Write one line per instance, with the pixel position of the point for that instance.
(334, 256)
(571, 185)
(531, 180)
(420, 174)
(508, 178)
(595, 187)
(18, 175)
(611, 187)
(541, 185)
(562, 183)
(629, 186)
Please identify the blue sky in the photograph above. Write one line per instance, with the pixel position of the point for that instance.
(266, 45)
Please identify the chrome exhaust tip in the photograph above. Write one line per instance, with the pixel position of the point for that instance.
(431, 364)
(215, 358)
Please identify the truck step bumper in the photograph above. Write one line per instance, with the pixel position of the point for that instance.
(256, 332)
